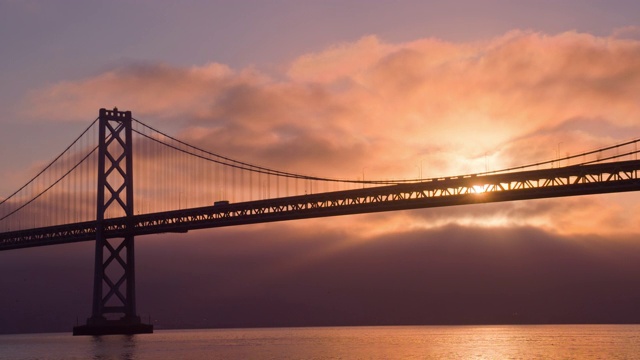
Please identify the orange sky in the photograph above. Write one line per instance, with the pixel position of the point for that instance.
(424, 89)
(389, 109)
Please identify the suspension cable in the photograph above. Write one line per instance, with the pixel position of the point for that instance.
(590, 152)
(259, 169)
(50, 164)
(50, 186)
(250, 167)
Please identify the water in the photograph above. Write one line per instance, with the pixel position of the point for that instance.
(405, 342)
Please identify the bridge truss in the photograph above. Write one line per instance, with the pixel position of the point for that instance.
(574, 180)
(111, 165)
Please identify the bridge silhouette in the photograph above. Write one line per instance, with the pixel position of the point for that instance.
(87, 193)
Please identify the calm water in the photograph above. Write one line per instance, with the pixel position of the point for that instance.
(411, 342)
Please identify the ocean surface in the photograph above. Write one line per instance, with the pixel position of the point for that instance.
(384, 342)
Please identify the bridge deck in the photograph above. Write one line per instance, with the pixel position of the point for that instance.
(565, 181)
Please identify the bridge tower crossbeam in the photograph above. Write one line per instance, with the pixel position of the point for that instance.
(114, 274)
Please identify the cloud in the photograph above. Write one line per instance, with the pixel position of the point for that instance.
(343, 61)
(627, 32)
(157, 89)
(383, 110)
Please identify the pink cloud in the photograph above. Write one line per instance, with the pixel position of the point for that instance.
(391, 110)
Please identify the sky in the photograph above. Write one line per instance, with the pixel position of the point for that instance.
(339, 88)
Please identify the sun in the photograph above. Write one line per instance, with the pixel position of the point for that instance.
(479, 189)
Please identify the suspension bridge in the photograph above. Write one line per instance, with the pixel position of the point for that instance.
(87, 193)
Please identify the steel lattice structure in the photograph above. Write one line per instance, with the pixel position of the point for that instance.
(536, 184)
(116, 225)
(114, 274)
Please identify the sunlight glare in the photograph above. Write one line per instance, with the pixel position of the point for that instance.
(479, 189)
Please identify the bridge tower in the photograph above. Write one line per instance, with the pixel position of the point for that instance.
(114, 299)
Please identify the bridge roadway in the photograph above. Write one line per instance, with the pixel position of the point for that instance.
(534, 184)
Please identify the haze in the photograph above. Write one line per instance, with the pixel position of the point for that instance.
(350, 89)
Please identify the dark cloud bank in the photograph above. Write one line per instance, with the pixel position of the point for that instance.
(265, 276)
